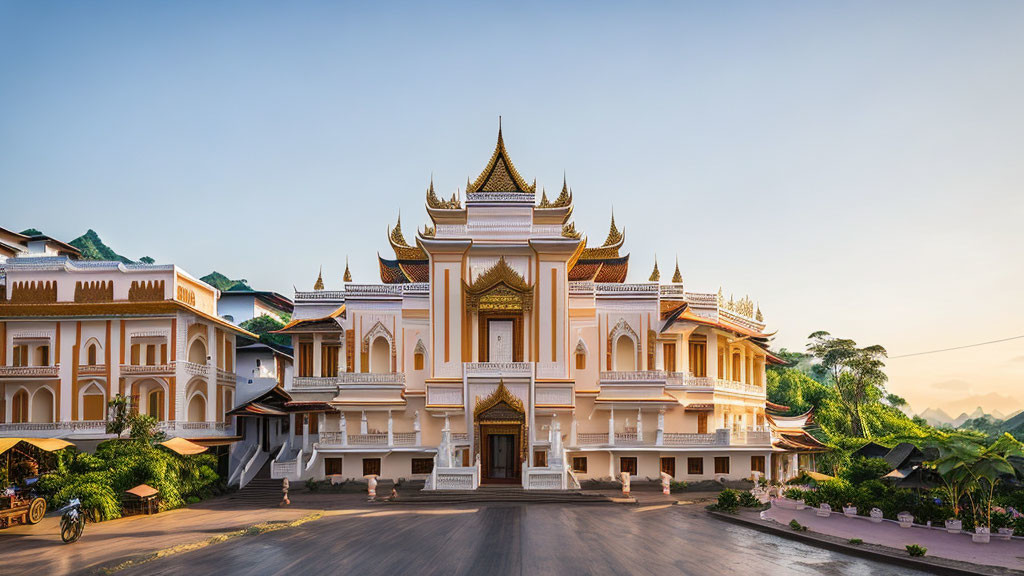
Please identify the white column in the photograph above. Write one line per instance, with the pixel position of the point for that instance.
(211, 374)
(611, 426)
(659, 438)
(639, 425)
(343, 426)
(391, 430)
(291, 429)
(363, 428)
(712, 355)
(321, 422)
(416, 426)
(305, 433)
(572, 430)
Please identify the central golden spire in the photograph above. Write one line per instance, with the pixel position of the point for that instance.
(500, 175)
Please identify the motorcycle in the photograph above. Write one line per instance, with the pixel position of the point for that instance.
(72, 521)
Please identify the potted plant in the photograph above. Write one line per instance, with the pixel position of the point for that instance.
(801, 504)
(849, 510)
(981, 535)
(1002, 522)
(906, 519)
(876, 515)
(954, 525)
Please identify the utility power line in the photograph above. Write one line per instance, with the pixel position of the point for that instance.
(958, 347)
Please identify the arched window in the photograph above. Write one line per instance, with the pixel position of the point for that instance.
(581, 356)
(42, 406)
(625, 354)
(91, 355)
(19, 407)
(155, 404)
(197, 408)
(197, 351)
(417, 361)
(380, 355)
(419, 357)
(229, 402)
(737, 373)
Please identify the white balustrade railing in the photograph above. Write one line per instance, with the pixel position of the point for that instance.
(689, 439)
(404, 438)
(311, 382)
(193, 369)
(30, 371)
(320, 295)
(739, 387)
(330, 438)
(74, 425)
(589, 438)
(142, 369)
(371, 378)
(185, 425)
(460, 437)
(628, 438)
(633, 376)
(92, 369)
(368, 439)
(223, 374)
(444, 395)
(498, 368)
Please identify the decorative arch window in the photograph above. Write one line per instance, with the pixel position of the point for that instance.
(197, 351)
(19, 407)
(155, 404)
(91, 355)
(197, 408)
(378, 350)
(581, 356)
(42, 405)
(625, 354)
(419, 355)
(93, 403)
(380, 355)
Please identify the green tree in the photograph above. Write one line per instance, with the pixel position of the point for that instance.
(147, 260)
(264, 325)
(856, 373)
(118, 415)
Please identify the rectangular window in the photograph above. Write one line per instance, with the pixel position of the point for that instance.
(668, 357)
(93, 407)
(44, 355)
(314, 422)
(371, 466)
(702, 423)
(581, 361)
(417, 362)
(694, 465)
(332, 466)
(668, 466)
(135, 355)
(721, 464)
(422, 465)
(150, 355)
(305, 359)
(757, 464)
(628, 464)
(540, 458)
(698, 358)
(329, 356)
(21, 355)
(579, 464)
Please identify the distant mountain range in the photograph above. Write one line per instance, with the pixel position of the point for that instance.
(92, 248)
(940, 418)
(995, 426)
(223, 283)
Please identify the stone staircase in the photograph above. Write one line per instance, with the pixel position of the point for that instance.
(262, 491)
(499, 493)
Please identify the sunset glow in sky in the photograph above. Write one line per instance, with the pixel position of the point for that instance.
(852, 167)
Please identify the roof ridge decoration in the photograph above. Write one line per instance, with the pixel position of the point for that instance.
(500, 174)
(565, 197)
(347, 277)
(655, 274)
(677, 278)
(615, 237)
(544, 202)
(319, 284)
(569, 231)
(499, 287)
(434, 202)
(403, 251)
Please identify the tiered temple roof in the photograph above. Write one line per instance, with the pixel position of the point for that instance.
(603, 263)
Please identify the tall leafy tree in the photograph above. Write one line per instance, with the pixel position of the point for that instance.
(856, 373)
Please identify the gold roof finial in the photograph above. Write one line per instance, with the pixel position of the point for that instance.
(396, 235)
(614, 234)
(347, 277)
(677, 278)
(655, 274)
(759, 317)
(500, 174)
(319, 285)
(565, 198)
(544, 203)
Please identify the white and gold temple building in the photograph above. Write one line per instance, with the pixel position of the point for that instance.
(500, 346)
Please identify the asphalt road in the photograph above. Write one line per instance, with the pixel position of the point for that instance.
(517, 539)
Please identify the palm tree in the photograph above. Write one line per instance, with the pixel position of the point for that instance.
(966, 468)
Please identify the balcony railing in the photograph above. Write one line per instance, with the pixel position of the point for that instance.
(225, 375)
(589, 438)
(29, 371)
(314, 382)
(74, 426)
(184, 425)
(378, 439)
(371, 378)
(193, 369)
(147, 370)
(495, 369)
(368, 439)
(444, 395)
(689, 439)
(634, 376)
(92, 369)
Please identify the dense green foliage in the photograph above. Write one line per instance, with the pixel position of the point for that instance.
(264, 325)
(147, 260)
(93, 248)
(993, 427)
(223, 283)
(99, 480)
(915, 550)
(31, 232)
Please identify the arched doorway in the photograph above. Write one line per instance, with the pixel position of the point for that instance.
(197, 352)
(42, 405)
(625, 354)
(19, 407)
(197, 408)
(380, 355)
(500, 436)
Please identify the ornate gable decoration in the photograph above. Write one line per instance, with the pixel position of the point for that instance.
(501, 395)
(434, 202)
(402, 249)
(376, 330)
(500, 287)
(500, 175)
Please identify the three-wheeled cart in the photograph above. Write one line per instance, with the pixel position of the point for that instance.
(19, 503)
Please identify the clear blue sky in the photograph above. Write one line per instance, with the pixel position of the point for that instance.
(854, 167)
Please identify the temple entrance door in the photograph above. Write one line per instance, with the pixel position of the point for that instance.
(499, 345)
(502, 461)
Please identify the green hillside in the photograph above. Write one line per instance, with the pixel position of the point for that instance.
(93, 248)
(223, 283)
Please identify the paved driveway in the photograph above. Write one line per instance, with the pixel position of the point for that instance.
(516, 539)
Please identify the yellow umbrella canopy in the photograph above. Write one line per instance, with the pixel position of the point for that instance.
(48, 444)
(817, 476)
(183, 446)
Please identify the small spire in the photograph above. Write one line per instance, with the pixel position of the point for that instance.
(677, 278)
(614, 234)
(655, 274)
(759, 317)
(319, 285)
(347, 277)
(544, 203)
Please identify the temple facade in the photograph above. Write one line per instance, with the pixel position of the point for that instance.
(502, 346)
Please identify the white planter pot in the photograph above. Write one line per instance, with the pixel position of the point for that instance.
(849, 511)
(824, 511)
(1005, 533)
(800, 505)
(954, 526)
(905, 520)
(981, 535)
(876, 515)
